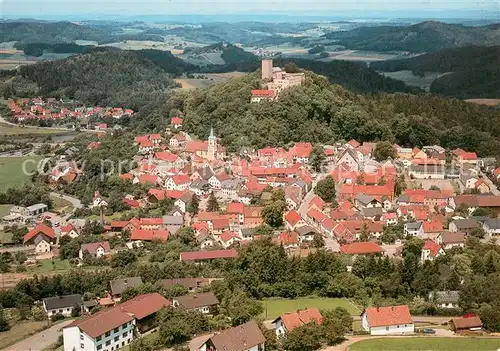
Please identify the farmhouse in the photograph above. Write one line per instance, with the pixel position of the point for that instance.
(469, 322)
(95, 249)
(388, 320)
(206, 303)
(62, 304)
(289, 321)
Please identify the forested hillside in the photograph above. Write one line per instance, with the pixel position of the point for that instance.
(476, 70)
(321, 112)
(47, 32)
(109, 78)
(422, 37)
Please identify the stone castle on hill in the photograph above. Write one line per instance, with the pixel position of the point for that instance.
(276, 81)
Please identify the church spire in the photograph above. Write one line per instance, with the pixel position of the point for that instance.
(212, 135)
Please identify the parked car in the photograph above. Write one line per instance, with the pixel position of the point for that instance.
(429, 331)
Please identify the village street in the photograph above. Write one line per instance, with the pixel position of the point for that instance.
(40, 340)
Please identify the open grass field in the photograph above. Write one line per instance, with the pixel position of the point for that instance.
(212, 78)
(410, 79)
(12, 174)
(427, 344)
(46, 266)
(19, 331)
(4, 210)
(275, 308)
(10, 130)
(61, 205)
(487, 102)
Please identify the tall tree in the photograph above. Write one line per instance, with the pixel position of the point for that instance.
(317, 157)
(325, 189)
(194, 205)
(4, 324)
(384, 150)
(213, 205)
(304, 338)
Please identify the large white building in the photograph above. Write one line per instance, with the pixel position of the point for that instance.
(107, 330)
(388, 320)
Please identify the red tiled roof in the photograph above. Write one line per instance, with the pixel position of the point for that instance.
(361, 248)
(390, 315)
(207, 255)
(292, 217)
(67, 228)
(220, 223)
(102, 322)
(235, 207)
(132, 203)
(148, 235)
(159, 194)
(353, 143)
(317, 201)
(119, 224)
(433, 247)
(126, 176)
(262, 93)
(227, 235)
(40, 228)
(296, 319)
(151, 221)
(316, 215)
(148, 178)
(433, 227)
(176, 121)
(289, 238)
(144, 305)
(165, 156)
(181, 179)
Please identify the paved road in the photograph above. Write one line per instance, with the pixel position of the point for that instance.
(74, 201)
(40, 340)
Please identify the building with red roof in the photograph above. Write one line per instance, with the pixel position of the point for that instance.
(259, 95)
(361, 248)
(176, 122)
(148, 235)
(115, 327)
(290, 321)
(431, 250)
(288, 239)
(292, 218)
(42, 236)
(389, 320)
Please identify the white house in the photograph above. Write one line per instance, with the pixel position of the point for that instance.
(289, 321)
(445, 299)
(414, 229)
(97, 250)
(492, 227)
(449, 240)
(430, 251)
(388, 320)
(62, 304)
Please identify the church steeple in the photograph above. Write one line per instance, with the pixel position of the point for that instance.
(212, 145)
(212, 135)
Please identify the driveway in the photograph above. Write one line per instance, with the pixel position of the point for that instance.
(194, 343)
(40, 340)
(74, 201)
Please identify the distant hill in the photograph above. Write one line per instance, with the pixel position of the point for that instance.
(422, 37)
(99, 77)
(475, 70)
(48, 32)
(231, 54)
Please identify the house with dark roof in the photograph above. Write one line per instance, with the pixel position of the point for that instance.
(388, 320)
(245, 337)
(117, 286)
(289, 321)
(445, 299)
(492, 227)
(449, 240)
(463, 225)
(206, 303)
(62, 304)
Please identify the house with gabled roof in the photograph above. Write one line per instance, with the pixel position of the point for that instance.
(42, 236)
(292, 320)
(98, 249)
(245, 337)
(390, 320)
(293, 219)
(431, 250)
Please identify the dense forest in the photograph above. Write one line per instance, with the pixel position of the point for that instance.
(422, 37)
(320, 112)
(101, 77)
(475, 70)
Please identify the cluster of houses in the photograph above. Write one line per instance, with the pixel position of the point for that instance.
(53, 109)
(276, 80)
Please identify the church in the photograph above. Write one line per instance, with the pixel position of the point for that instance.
(209, 150)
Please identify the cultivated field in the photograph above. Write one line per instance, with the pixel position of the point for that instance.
(410, 79)
(61, 205)
(487, 102)
(275, 308)
(16, 130)
(427, 343)
(12, 174)
(4, 210)
(49, 266)
(213, 78)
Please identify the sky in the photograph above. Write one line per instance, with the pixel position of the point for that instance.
(125, 8)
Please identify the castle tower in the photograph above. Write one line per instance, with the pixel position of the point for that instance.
(212, 146)
(267, 70)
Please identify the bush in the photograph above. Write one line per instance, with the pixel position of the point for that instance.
(57, 317)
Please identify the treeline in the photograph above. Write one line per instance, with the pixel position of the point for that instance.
(38, 49)
(320, 112)
(101, 77)
(421, 37)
